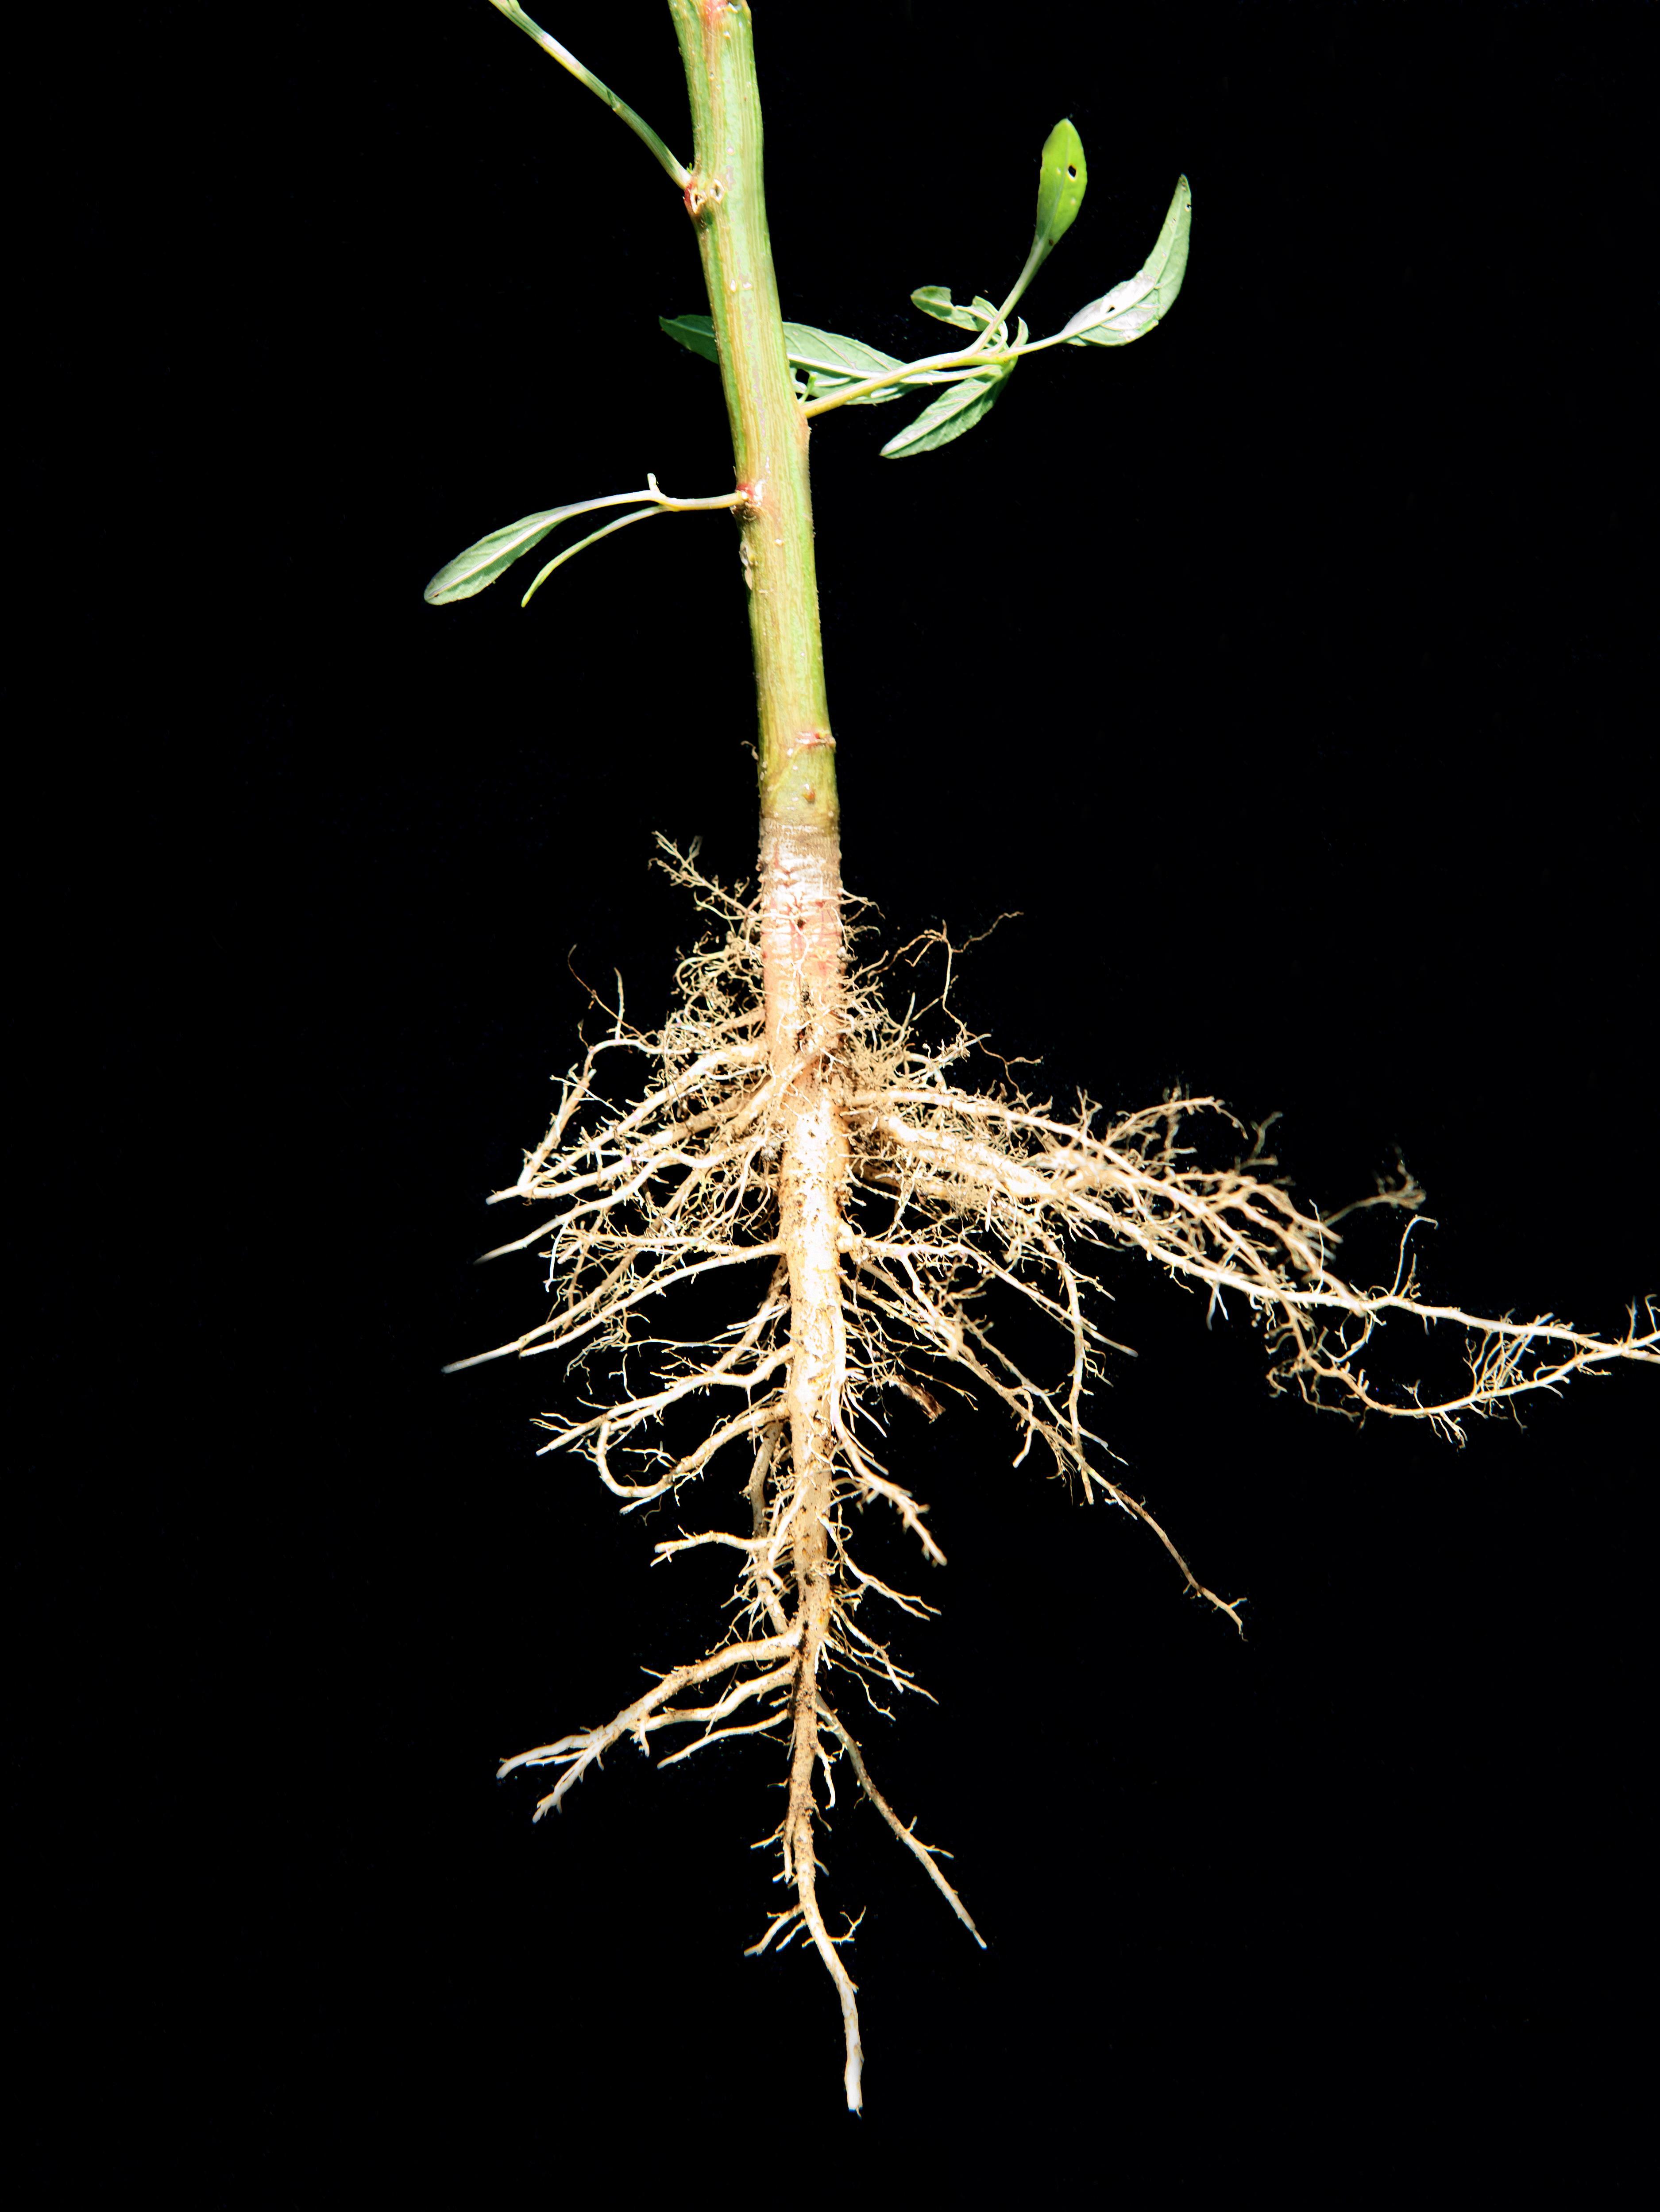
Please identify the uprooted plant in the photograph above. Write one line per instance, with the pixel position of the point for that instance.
(794, 1133)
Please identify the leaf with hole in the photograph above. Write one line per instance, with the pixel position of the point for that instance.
(1130, 310)
(1062, 183)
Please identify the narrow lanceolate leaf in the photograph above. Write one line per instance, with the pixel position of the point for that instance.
(1130, 309)
(640, 514)
(694, 331)
(957, 409)
(832, 363)
(491, 556)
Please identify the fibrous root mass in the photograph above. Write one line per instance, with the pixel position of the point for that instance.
(799, 1139)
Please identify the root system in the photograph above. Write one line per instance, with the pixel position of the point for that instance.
(867, 1213)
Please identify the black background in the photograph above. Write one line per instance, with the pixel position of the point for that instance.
(1286, 673)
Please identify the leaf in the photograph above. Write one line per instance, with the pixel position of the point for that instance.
(957, 409)
(491, 556)
(830, 360)
(640, 514)
(833, 362)
(1130, 310)
(1062, 183)
(694, 331)
(935, 300)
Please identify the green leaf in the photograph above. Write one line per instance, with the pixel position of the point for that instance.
(491, 556)
(1130, 310)
(1060, 185)
(935, 300)
(694, 331)
(640, 514)
(957, 409)
(830, 362)
(833, 362)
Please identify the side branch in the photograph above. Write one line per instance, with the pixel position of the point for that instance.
(907, 1836)
(645, 1715)
(619, 108)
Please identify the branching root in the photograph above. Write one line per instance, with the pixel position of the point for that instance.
(863, 1215)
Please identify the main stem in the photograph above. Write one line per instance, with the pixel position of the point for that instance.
(799, 859)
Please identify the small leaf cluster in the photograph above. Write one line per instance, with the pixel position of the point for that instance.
(966, 403)
(831, 370)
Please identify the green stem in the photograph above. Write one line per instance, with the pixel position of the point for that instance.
(1035, 260)
(724, 200)
(929, 365)
(620, 108)
(971, 362)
